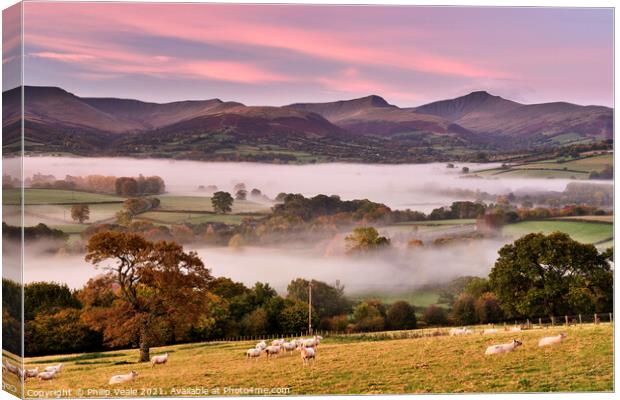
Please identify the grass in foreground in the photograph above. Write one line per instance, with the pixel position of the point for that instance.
(585, 232)
(584, 362)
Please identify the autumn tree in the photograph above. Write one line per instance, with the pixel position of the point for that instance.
(157, 289)
(80, 212)
(222, 202)
(401, 315)
(364, 239)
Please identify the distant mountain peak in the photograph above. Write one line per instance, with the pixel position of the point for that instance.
(373, 100)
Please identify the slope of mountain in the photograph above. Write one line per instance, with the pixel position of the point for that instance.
(373, 115)
(484, 113)
(368, 128)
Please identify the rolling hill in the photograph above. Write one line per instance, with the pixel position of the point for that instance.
(366, 129)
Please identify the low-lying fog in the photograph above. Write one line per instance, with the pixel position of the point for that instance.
(399, 186)
(415, 186)
(386, 270)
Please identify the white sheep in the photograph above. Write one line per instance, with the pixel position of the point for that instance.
(307, 354)
(549, 340)
(11, 368)
(310, 342)
(489, 331)
(47, 375)
(515, 329)
(502, 348)
(123, 378)
(277, 342)
(31, 373)
(159, 359)
(272, 351)
(261, 345)
(289, 346)
(253, 353)
(460, 331)
(54, 368)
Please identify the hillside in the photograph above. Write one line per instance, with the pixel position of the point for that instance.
(484, 113)
(367, 129)
(351, 365)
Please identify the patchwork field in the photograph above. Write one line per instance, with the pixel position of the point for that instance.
(346, 365)
(554, 168)
(54, 196)
(585, 232)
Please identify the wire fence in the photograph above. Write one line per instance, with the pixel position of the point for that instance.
(505, 325)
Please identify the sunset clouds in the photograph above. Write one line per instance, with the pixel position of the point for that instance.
(264, 54)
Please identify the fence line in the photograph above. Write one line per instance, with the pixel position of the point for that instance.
(526, 324)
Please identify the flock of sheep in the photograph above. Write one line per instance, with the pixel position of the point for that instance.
(507, 347)
(47, 374)
(306, 347)
(52, 371)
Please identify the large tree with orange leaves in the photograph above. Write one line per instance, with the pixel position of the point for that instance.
(152, 290)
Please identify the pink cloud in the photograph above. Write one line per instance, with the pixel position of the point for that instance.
(68, 57)
(229, 24)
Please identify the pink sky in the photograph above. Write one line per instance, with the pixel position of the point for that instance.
(274, 54)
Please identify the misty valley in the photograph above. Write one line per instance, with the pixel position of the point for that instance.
(409, 204)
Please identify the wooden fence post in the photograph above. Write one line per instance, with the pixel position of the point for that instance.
(552, 321)
(579, 319)
(540, 322)
(595, 319)
(566, 320)
(610, 319)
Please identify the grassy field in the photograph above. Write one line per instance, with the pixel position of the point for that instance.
(443, 364)
(418, 298)
(203, 203)
(171, 218)
(591, 218)
(553, 168)
(53, 196)
(585, 232)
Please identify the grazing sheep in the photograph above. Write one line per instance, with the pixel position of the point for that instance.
(515, 329)
(123, 378)
(549, 340)
(288, 346)
(159, 360)
(307, 354)
(46, 375)
(460, 331)
(54, 368)
(272, 351)
(261, 345)
(310, 342)
(31, 373)
(489, 331)
(277, 342)
(502, 348)
(253, 353)
(11, 368)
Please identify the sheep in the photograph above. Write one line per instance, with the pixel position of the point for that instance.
(253, 353)
(11, 368)
(159, 360)
(310, 342)
(54, 368)
(277, 342)
(289, 346)
(261, 345)
(272, 351)
(549, 340)
(502, 348)
(489, 331)
(515, 329)
(31, 373)
(47, 375)
(307, 354)
(123, 378)
(460, 331)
